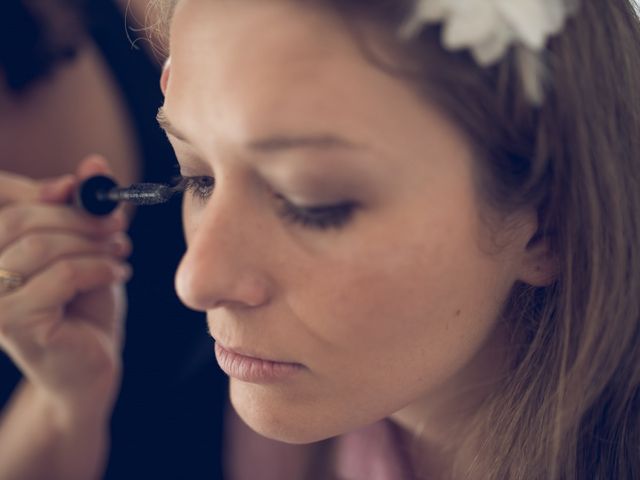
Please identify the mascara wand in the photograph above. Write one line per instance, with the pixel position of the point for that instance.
(100, 195)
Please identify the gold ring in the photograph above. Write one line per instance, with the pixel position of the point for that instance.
(9, 281)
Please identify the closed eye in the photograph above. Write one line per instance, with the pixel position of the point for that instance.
(318, 217)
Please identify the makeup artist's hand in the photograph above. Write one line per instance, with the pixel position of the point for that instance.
(63, 325)
(60, 321)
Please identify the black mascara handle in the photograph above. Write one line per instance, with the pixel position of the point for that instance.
(91, 195)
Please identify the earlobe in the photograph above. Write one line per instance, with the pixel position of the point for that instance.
(166, 73)
(539, 266)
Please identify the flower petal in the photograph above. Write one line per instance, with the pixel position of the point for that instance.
(470, 27)
(533, 20)
(430, 11)
(493, 48)
(533, 74)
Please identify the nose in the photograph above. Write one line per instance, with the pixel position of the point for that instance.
(223, 264)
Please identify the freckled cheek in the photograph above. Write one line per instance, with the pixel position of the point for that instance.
(360, 314)
(377, 313)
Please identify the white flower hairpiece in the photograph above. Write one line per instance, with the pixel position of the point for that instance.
(489, 27)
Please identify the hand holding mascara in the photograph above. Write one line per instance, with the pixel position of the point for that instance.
(100, 195)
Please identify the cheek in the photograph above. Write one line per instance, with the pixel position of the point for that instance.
(419, 311)
(378, 332)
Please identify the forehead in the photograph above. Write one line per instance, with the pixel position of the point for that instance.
(267, 61)
(245, 69)
(277, 25)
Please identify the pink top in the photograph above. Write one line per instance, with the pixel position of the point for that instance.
(374, 452)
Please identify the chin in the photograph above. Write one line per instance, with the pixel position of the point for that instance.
(278, 419)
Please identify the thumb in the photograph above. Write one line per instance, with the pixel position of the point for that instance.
(57, 190)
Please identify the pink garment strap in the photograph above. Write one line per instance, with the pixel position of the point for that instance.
(374, 452)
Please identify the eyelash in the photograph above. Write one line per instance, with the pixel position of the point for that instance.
(317, 217)
(199, 187)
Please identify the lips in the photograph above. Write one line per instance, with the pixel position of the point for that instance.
(249, 368)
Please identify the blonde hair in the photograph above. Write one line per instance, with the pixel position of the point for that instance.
(570, 406)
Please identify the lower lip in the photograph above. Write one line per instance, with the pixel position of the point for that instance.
(254, 370)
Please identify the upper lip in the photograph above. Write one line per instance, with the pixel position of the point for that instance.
(249, 353)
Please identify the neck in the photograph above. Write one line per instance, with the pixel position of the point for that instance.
(434, 427)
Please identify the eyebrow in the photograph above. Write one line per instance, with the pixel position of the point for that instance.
(276, 143)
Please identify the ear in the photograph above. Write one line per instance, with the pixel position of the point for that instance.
(539, 266)
(166, 73)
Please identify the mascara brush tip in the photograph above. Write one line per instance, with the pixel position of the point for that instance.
(141, 194)
(100, 195)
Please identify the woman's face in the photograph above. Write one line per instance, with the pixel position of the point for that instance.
(343, 232)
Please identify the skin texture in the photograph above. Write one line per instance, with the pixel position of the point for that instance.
(394, 314)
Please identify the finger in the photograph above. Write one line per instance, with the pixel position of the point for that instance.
(63, 281)
(93, 165)
(17, 220)
(35, 252)
(16, 188)
(27, 314)
(61, 190)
